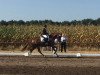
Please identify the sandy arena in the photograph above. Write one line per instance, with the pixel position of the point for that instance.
(21, 65)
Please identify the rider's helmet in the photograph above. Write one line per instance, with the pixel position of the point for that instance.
(45, 26)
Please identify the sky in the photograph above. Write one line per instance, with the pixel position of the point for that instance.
(56, 10)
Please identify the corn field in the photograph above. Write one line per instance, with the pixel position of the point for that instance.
(83, 36)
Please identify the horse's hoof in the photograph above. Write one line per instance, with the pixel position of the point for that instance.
(54, 52)
(57, 56)
(27, 54)
(44, 56)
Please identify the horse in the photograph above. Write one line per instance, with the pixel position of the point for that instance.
(37, 44)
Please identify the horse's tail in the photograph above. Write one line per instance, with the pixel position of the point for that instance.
(24, 47)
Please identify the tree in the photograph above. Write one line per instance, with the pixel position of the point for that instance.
(3, 22)
(98, 21)
(21, 22)
(87, 21)
(65, 23)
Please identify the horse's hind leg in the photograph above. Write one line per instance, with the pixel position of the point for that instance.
(40, 51)
(23, 49)
(31, 50)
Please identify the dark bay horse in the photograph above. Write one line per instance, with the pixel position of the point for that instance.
(37, 44)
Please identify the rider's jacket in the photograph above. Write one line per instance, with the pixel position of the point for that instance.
(45, 32)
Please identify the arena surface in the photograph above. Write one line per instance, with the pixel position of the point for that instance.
(21, 65)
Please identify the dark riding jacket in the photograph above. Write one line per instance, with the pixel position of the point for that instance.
(45, 32)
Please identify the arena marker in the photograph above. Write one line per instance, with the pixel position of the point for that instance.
(78, 55)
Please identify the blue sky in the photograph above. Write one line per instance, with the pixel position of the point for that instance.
(56, 10)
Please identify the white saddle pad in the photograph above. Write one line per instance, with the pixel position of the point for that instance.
(42, 39)
(45, 36)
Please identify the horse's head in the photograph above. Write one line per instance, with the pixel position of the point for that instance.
(56, 36)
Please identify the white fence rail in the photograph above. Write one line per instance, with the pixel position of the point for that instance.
(50, 55)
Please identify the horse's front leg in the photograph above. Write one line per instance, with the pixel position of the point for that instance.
(55, 49)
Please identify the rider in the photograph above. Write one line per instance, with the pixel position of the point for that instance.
(45, 34)
(45, 31)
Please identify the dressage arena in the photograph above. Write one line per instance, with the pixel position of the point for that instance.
(12, 63)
